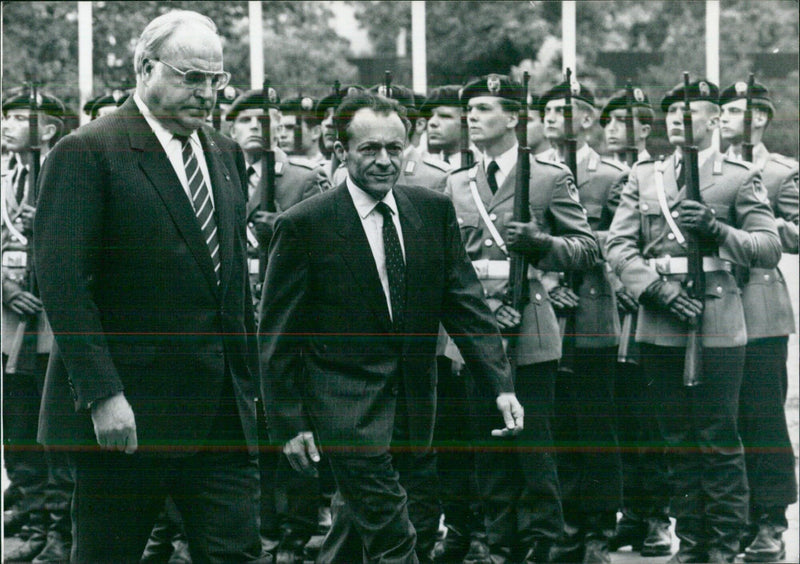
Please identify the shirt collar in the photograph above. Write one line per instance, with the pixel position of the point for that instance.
(365, 203)
(505, 161)
(164, 135)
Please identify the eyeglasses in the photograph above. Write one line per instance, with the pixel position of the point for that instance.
(199, 79)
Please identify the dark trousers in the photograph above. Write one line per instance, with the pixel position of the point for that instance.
(386, 506)
(706, 458)
(762, 426)
(645, 488)
(453, 439)
(118, 497)
(589, 465)
(518, 477)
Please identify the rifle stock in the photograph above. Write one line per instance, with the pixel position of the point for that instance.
(747, 143)
(628, 351)
(695, 279)
(22, 355)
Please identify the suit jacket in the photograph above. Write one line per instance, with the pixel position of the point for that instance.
(129, 286)
(555, 207)
(330, 361)
(639, 232)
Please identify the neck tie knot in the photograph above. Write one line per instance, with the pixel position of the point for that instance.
(491, 170)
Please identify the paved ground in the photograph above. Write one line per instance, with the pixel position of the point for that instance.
(789, 266)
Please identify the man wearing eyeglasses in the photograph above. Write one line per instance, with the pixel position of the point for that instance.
(141, 256)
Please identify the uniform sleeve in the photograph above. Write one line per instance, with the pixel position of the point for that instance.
(574, 245)
(68, 232)
(755, 242)
(786, 210)
(467, 317)
(280, 331)
(623, 243)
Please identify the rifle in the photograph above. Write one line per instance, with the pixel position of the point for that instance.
(695, 279)
(566, 322)
(747, 144)
(387, 82)
(298, 129)
(628, 351)
(266, 183)
(22, 357)
(467, 158)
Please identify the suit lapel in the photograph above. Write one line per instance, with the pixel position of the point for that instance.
(158, 169)
(356, 252)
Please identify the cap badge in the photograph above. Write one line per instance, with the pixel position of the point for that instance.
(272, 96)
(351, 91)
(705, 90)
(741, 89)
(39, 99)
(493, 84)
(575, 88)
(229, 93)
(307, 103)
(116, 95)
(638, 95)
(383, 91)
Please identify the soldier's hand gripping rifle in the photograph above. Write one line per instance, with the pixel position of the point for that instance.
(22, 355)
(266, 184)
(628, 350)
(695, 283)
(517, 290)
(566, 321)
(747, 143)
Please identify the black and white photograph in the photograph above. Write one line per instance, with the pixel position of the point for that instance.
(400, 282)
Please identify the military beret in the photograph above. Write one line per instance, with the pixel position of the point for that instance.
(252, 99)
(561, 90)
(699, 90)
(332, 100)
(47, 103)
(619, 101)
(497, 85)
(227, 95)
(116, 99)
(738, 91)
(441, 96)
(400, 93)
(303, 105)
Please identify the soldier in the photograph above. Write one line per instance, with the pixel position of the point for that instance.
(736, 226)
(442, 111)
(591, 476)
(770, 320)
(288, 511)
(40, 476)
(520, 488)
(302, 128)
(326, 107)
(645, 509)
(105, 103)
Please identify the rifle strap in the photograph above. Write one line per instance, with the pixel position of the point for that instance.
(473, 187)
(662, 203)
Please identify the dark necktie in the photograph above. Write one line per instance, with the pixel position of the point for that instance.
(201, 201)
(252, 181)
(20, 188)
(395, 265)
(681, 174)
(490, 172)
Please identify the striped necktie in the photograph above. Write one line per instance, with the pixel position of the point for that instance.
(201, 201)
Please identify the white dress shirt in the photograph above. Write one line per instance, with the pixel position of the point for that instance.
(506, 161)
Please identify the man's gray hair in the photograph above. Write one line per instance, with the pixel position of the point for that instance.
(159, 30)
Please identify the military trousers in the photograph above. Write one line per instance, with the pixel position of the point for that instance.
(765, 435)
(706, 461)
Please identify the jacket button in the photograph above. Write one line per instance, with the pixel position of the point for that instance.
(670, 236)
(488, 242)
(538, 296)
(592, 291)
(766, 277)
(492, 216)
(645, 207)
(675, 214)
(719, 289)
(460, 220)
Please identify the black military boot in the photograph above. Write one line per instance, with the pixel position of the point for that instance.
(768, 545)
(453, 547)
(56, 549)
(479, 552)
(159, 546)
(36, 539)
(658, 541)
(569, 547)
(631, 530)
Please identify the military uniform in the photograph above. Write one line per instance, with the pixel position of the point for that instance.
(591, 478)
(521, 493)
(770, 320)
(697, 423)
(419, 169)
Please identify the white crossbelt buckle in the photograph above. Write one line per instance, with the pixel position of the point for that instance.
(491, 269)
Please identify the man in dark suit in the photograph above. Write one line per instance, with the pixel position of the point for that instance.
(348, 329)
(140, 251)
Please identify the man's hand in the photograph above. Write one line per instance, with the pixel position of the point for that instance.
(27, 214)
(302, 453)
(670, 296)
(513, 415)
(527, 237)
(25, 303)
(114, 424)
(263, 224)
(626, 302)
(697, 217)
(563, 298)
(507, 317)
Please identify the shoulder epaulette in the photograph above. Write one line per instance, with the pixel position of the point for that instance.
(616, 164)
(304, 162)
(462, 168)
(436, 163)
(743, 164)
(548, 162)
(783, 160)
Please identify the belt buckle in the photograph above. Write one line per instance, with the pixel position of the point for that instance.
(664, 265)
